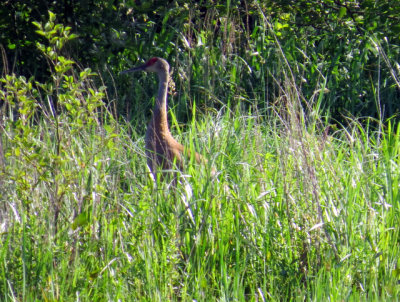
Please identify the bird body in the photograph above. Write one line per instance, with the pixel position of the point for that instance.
(162, 150)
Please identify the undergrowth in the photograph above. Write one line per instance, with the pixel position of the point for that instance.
(297, 209)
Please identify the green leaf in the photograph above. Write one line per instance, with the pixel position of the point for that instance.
(81, 220)
(72, 36)
(342, 12)
(52, 16)
(37, 24)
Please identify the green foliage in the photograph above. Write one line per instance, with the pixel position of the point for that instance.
(71, 102)
(225, 53)
(54, 172)
(298, 208)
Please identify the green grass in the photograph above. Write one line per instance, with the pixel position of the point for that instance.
(251, 232)
(297, 209)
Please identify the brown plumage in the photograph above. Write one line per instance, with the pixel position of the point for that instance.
(162, 150)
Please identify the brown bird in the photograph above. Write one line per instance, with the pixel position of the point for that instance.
(162, 150)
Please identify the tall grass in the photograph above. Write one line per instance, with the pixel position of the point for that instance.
(298, 209)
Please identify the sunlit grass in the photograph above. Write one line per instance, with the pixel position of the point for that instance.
(251, 231)
(288, 206)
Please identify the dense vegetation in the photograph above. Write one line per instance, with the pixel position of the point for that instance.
(349, 48)
(295, 105)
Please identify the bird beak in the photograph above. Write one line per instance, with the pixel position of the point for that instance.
(141, 67)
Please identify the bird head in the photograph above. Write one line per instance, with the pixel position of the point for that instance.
(153, 65)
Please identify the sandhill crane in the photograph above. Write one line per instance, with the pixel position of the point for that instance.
(162, 150)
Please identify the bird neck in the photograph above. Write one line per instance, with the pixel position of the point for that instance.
(159, 119)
